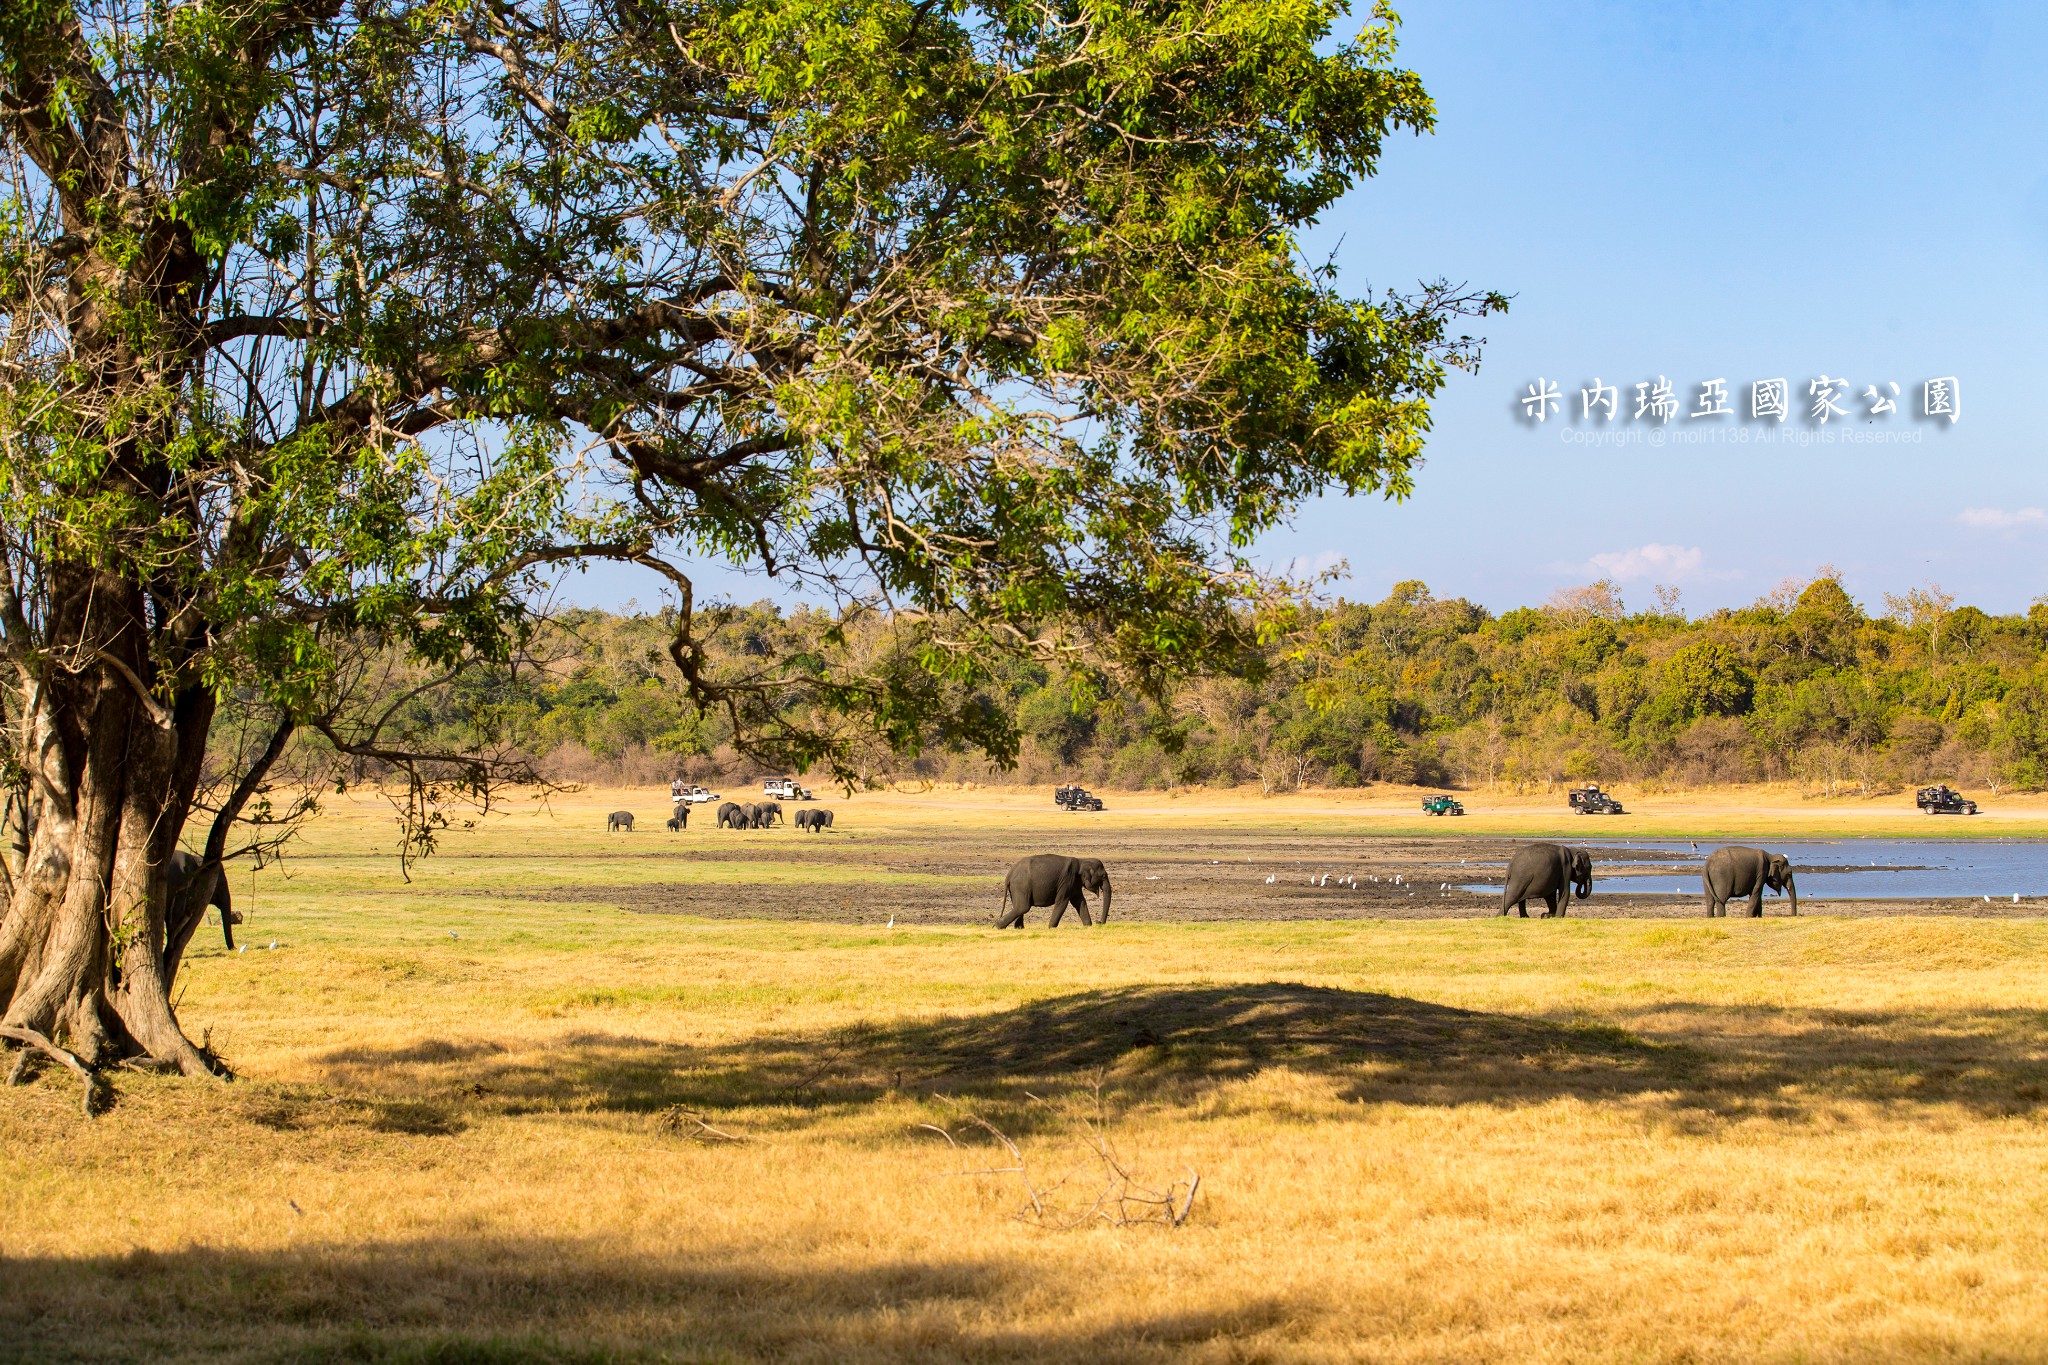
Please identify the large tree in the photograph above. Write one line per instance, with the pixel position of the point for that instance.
(334, 327)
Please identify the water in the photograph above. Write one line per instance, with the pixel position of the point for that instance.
(1881, 869)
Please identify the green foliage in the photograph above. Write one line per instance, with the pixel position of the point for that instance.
(1419, 689)
(337, 331)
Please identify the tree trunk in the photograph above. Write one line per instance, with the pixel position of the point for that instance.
(83, 936)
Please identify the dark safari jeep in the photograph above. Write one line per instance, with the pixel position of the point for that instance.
(1944, 800)
(1441, 805)
(1593, 801)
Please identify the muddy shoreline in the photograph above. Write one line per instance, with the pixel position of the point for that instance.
(954, 876)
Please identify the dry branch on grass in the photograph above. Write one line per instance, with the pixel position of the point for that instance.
(1117, 1197)
(690, 1123)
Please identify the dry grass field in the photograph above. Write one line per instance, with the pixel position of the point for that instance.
(498, 1113)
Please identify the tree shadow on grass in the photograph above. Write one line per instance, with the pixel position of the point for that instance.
(1169, 1045)
(501, 1301)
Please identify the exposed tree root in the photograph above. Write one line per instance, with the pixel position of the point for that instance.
(28, 1038)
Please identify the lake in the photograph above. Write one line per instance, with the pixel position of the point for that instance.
(1839, 869)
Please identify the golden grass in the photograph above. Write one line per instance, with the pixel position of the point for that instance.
(1810, 1140)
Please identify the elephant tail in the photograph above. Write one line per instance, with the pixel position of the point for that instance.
(1003, 908)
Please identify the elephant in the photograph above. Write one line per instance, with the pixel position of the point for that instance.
(730, 816)
(191, 893)
(816, 821)
(1547, 870)
(1734, 872)
(771, 811)
(1055, 880)
(680, 820)
(750, 815)
(617, 820)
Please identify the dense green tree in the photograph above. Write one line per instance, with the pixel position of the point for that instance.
(331, 329)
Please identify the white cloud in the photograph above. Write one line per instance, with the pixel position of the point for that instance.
(1666, 563)
(1305, 566)
(1998, 519)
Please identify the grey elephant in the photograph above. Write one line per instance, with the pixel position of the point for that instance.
(191, 892)
(680, 820)
(815, 821)
(751, 813)
(730, 816)
(1055, 880)
(1734, 872)
(771, 811)
(619, 820)
(1551, 871)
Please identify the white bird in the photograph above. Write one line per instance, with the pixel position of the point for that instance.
(891, 924)
(273, 942)
(2015, 898)
(1987, 900)
(453, 934)
(243, 949)
(1269, 879)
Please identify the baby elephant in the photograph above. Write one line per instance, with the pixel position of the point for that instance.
(1735, 872)
(1549, 871)
(1054, 880)
(619, 820)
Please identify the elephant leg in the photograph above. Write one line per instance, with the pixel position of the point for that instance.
(1550, 905)
(1756, 903)
(1081, 907)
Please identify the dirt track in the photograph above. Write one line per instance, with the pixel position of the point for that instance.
(1212, 873)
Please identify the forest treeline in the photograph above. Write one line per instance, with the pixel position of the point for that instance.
(1803, 684)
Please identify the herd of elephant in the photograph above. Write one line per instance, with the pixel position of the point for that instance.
(733, 815)
(1550, 873)
(1554, 874)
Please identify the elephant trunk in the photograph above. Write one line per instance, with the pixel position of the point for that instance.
(1792, 890)
(225, 904)
(1105, 900)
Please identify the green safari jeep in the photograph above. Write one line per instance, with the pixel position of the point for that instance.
(1441, 805)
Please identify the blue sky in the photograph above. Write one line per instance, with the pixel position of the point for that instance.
(1738, 190)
